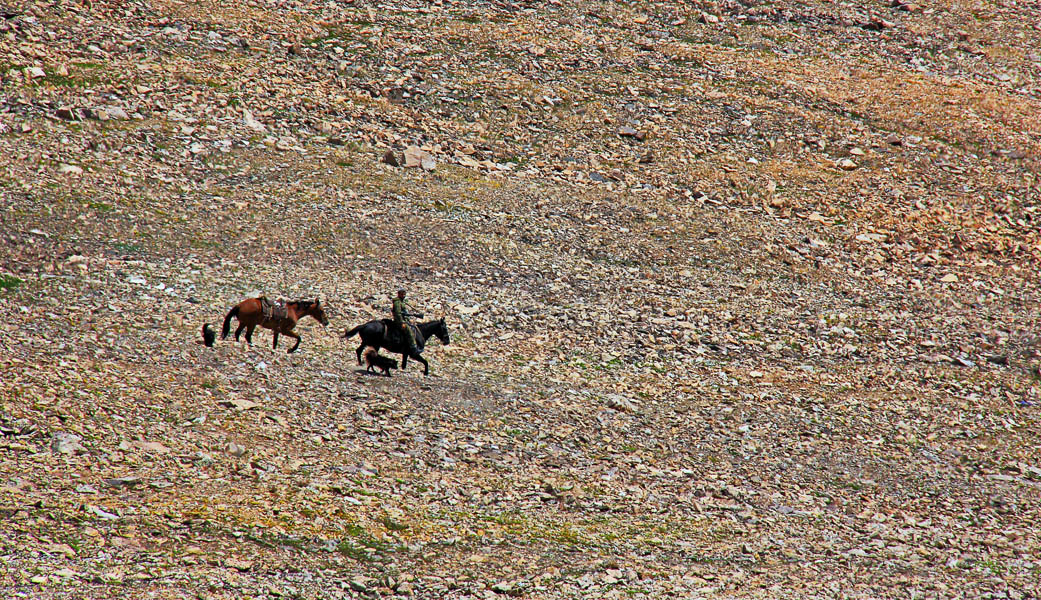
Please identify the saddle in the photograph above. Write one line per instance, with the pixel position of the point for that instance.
(273, 310)
(395, 336)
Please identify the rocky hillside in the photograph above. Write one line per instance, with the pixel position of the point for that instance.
(743, 298)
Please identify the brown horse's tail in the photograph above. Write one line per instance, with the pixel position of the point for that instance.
(234, 312)
(351, 332)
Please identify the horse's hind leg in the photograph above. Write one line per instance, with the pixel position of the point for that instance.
(239, 329)
(296, 345)
(274, 344)
(249, 334)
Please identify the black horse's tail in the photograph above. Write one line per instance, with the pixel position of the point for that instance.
(352, 332)
(234, 312)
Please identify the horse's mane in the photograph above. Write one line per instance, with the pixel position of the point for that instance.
(304, 304)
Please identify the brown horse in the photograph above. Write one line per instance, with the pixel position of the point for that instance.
(250, 313)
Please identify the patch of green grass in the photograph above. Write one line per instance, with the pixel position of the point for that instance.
(203, 244)
(74, 542)
(333, 34)
(72, 80)
(852, 485)
(292, 542)
(101, 207)
(126, 247)
(354, 146)
(9, 282)
(507, 518)
(61, 80)
(995, 567)
(564, 534)
(361, 546)
(392, 525)
(363, 492)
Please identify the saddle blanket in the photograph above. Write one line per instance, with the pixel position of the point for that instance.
(273, 310)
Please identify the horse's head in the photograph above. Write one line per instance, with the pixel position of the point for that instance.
(318, 312)
(442, 331)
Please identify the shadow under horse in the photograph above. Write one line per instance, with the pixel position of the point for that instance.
(383, 333)
(250, 314)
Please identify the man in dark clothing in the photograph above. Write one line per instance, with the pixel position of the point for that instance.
(401, 319)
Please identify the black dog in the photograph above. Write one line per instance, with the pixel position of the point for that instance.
(208, 335)
(374, 359)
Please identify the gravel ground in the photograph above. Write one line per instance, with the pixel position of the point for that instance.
(742, 298)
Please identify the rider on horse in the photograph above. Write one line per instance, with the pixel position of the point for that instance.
(402, 318)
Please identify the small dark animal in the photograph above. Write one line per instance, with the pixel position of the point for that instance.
(250, 313)
(383, 333)
(374, 359)
(208, 335)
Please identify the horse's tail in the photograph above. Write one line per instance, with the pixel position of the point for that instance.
(234, 312)
(352, 332)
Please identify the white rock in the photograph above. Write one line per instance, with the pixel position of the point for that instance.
(417, 157)
(115, 112)
(249, 121)
(620, 403)
(64, 442)
(104, 514)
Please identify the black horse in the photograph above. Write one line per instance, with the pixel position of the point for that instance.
(382, 333)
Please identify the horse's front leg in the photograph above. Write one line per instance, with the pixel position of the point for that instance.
(295, 336)
(426, 365)
(274, 344)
